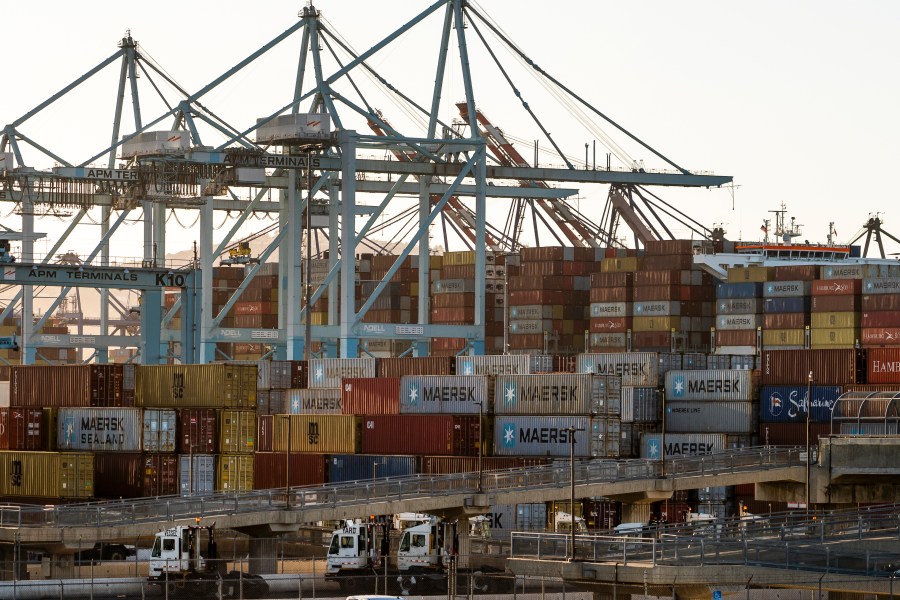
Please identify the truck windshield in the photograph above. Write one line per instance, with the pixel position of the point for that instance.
(157, 549)
(333, 548)
(404, 542)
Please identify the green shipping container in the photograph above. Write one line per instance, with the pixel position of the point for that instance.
(234, 473)
(237, 431)
(47, 475)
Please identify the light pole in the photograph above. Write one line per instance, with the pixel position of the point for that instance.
(808, 409)
(572, 431)
(287, 463)
(480, 441)
(307, 291)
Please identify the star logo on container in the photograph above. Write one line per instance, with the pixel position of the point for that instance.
(770, 288)
(510, 393)
(653, 449)
(678, 386)
(320, 373)
(509, 435)
(828, 272)
(295, 405)
(413, 394)
(69, 429)
(776, 404)
(468, 368)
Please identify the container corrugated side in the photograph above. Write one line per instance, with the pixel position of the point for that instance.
(237, 431)
(682, 444)
(4, 394)
(447, 465)
(265, 433)
(269, 469)
(711, 385)
(419, 365)
(635, 368)
(640, 404)
(493, 364)
(883, 365)
(356, 467)
(219, 385)
(788, 403)
(444, 394)
(159, 425)
(234, 472)
(312, 401)
(786, 289)
(328, 372)
(711, 417)
(198, 431)
(39, 386)
(881, 285)
(553, 394)
(135, 475)
(99, 429)
(196, 474)
(456, 435)
(21, 429)
(47, 475)
(542, 436)
(370, 396)
(828, 366)
(324, 434)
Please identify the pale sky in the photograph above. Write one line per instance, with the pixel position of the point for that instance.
(796, 100)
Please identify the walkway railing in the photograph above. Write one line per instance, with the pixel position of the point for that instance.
(364, 493)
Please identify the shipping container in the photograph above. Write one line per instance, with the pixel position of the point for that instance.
(635, 368)
(237, 431)
(786, 320)
(323, 434)
(678, 445)
(630, 445)
(784, 338)
(739, 306)
(849, 271)
(99, 429)
(196, 474)
(881, 285)
(879, 318)
(834, 338)
(455, 435)
(269, 470)
(370, 396)
(828, 367)
(598, 309)
(234, 473)
(449, 394)
(355, 467)
(159, 430)
(836, 287)
(835, 320)
(47, 475)
(734, 291)
(281, 374)
(797, 304)
(135, 475)
(311, 401)
(879, 336)
(420, 365)
(502, 519)
(40, 386)
(328, 372)
(265, 433)
(447, 465)
(711, 417)
(883, 365)
(4, 393)
(21, 429)
(838, 303)
(199, 431)
(551, 394)
(217, 385)
(492, 364)
(640, 404)
(547, 436)
(711, 385)
(878, 302)
(738, 322)
(786, 289)
(785, 403)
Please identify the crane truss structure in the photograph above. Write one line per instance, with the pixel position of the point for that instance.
(435, 165)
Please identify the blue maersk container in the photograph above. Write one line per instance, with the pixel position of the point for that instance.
(796, 304)
(787, 403)
(357, 467)
(748, 289)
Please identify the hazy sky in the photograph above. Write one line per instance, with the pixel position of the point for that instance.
(796, 100)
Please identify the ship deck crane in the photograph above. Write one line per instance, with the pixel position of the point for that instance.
(872, 229)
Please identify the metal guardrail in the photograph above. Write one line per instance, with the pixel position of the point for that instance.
(593, 471)
(790, 540)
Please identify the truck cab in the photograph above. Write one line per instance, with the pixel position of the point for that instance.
(352, 547)
(428, 546)
(176, 550)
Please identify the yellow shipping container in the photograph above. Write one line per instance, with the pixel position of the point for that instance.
(435, 261)
(237, 431)
(834, 338)
(659, 323)
(212, 385)
(464, 257)
(784, 337)
(319, 318)
(337, 434)
(617, 265)
(48, 475)
(834, 320)
(743, 274)
(234, 473)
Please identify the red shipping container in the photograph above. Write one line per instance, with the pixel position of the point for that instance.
(612, 280)
(197, 431)
(269, 469)
(796, 273)
(665, 247)
(880, 336)
(610, 324)
(20, 428)
(828, 367)
(886, 319)
(135, 475)
(669, 262)
(528, 341)
(265, 433)
(253, 308)
(535, 296)
(835, 303)
(881, 302)
(609, 294)
(370, 396)
(736, 337)
(836, 287)
(883, 365)
(453, 435)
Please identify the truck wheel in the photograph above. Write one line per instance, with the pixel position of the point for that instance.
(407, 584)
(116, 555)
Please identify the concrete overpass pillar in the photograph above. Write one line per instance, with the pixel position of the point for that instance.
(263, 555)
(636, 513)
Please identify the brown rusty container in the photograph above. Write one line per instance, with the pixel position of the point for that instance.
(828, 366)
(836, 303)
(219, 385)
(422, 365)
(40, 386)
(265, 433)
(881, 302)
(449, 465)
(421, 434)
(21, 429)
(370, 396)
(197, 431)
(792, 434)
(612, 280)
(269, 469)
(785, 320)
(879, 336)
(881, 318)
(135, 475)
(796, 273)
(883, 365)
(609, 294)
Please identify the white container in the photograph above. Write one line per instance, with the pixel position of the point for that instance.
(493, 364)
(328, 372)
